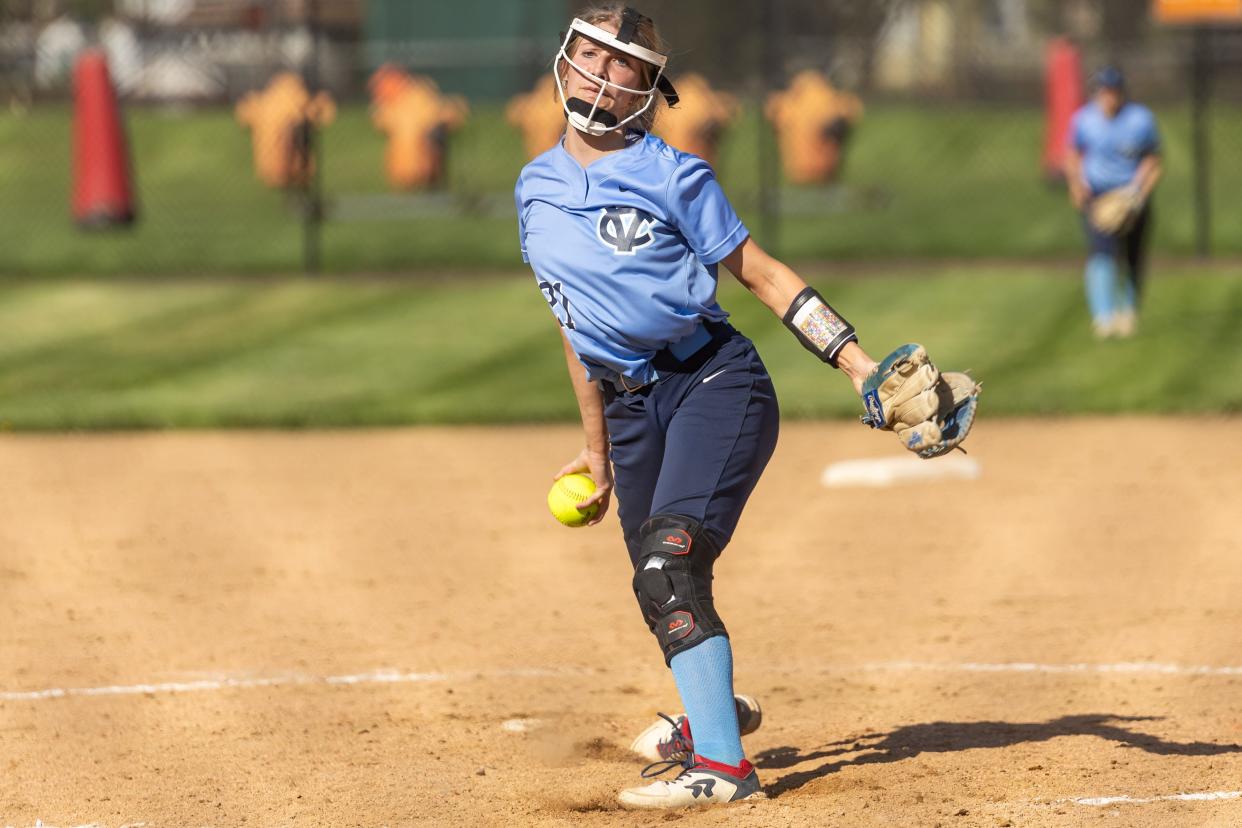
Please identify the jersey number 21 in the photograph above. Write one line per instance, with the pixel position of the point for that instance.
(557, 298)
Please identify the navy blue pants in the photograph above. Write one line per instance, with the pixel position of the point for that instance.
(1128, 249)
(695, 442)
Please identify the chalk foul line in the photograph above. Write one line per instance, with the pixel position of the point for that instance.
(389, 676)
(234, 683)
(1130, 667)
(1102, 801)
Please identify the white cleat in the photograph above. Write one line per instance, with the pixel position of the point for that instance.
(1104, 327)
(1125, 324)
(703, 782)
(667, 739)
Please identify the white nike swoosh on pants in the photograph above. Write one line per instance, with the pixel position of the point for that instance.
(713, 376)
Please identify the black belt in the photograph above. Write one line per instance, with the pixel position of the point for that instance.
(678, 358)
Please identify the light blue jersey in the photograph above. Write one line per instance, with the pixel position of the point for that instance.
(1112, 148)
(626, 250)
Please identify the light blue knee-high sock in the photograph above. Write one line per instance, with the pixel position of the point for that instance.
(1101, 281)
(704, 676)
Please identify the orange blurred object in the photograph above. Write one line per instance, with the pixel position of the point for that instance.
(410, 110)
(1062, 97)
(102, 192)
(281, 117)
(539, 116)
(1198, 11)
(813, 121)
(696, 124)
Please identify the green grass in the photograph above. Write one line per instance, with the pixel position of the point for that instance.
(955, 182)
(280, 352)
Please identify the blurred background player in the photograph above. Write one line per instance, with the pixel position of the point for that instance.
(1114, 148)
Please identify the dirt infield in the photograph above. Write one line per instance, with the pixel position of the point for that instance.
(387, 628)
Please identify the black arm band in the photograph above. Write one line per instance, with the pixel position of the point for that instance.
(819, 328)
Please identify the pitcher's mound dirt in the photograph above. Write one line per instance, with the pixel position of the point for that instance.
(1022, 649)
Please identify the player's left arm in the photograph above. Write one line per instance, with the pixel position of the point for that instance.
(1147, 176)
(930, 412)
(774, 284)
(701, 212)
(1150, 167)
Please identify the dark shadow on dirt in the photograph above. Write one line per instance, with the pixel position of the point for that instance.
(945, 737)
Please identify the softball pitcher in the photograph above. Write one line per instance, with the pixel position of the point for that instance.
(625, 236)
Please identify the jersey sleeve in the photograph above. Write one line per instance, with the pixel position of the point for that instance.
(521, 217)
(702, 213)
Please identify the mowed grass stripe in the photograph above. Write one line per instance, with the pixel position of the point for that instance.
(956, 181)
(283, 352)
(342, 352)
(170, 339)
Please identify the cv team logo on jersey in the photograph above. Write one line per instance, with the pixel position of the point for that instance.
(625, 229)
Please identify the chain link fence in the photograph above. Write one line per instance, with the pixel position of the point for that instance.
(373, 135)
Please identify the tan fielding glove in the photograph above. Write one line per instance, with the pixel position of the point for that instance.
(1113, 212)
(930, 412)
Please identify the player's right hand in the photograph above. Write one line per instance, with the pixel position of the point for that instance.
(599, 467)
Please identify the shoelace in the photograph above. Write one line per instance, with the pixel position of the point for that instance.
(681, 743)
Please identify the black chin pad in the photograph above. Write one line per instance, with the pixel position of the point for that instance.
(581, 107)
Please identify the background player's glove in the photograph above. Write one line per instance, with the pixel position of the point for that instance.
(1113, 212)
(930, 412)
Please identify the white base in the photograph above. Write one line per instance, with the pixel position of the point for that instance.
(890, 471)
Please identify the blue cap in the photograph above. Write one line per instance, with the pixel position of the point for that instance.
(1110, 77)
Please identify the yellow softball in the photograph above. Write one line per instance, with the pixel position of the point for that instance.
(565, 496)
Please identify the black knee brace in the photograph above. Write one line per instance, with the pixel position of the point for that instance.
(673, 583)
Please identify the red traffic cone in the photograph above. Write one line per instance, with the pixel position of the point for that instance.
(102, 194)
(1063, 97)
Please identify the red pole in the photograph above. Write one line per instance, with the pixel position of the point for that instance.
(102, 193)
(1062, 97)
